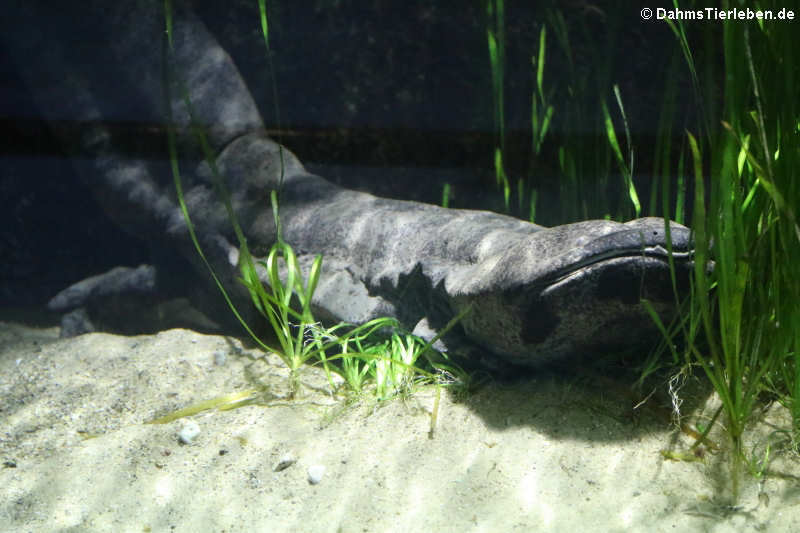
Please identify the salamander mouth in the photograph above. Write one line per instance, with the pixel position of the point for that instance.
(658, 252)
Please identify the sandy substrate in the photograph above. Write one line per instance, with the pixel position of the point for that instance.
(548, 454)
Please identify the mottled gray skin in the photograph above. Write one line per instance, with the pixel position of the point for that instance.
(537, 294)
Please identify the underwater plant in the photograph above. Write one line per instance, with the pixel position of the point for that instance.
(584, 161)
(748, 305)
(738, 158)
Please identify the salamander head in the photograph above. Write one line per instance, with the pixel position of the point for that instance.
(584, 297)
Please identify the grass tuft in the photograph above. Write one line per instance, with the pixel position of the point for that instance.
(745, 223)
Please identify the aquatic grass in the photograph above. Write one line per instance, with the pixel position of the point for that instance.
(355, 368)
(541, 109)
(625, 166)
(293, 329)
(679, 32)
(583, 187)
(665, 169)
(496, 43)
(392, 365)
(225, 402)
(264, 19)
(749, 303)
(741, 323)
(541, 117)
(584, 160)
(446, 194)
(395, 375)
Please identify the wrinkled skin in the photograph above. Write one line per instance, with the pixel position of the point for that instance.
(536, 294)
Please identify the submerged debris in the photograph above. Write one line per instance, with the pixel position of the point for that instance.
(189, 432)
(315, 473)
(285, 462)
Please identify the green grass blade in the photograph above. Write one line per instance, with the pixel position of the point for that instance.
(540, 63)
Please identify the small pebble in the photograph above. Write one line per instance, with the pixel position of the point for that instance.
(315, 474)
(189, 432)
(284, 462)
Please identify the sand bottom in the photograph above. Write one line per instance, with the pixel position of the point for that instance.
(547, 454)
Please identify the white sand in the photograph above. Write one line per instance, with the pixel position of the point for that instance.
(551, 454)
